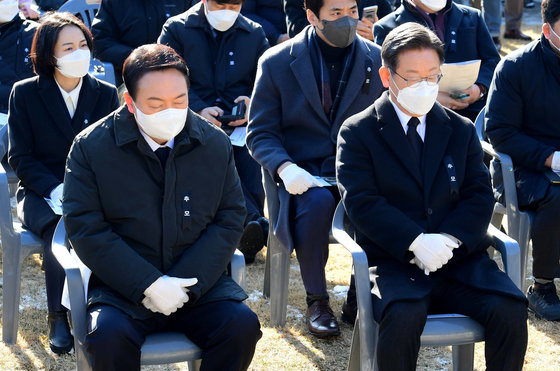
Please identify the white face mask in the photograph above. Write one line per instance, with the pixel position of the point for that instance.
(75, 64)
(163, 125)
(557, 38)
(8, 10)
(221, 20)
(435, 5)
(419, 98)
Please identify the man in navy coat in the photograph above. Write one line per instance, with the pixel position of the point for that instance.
(305, 89)
(414, 185)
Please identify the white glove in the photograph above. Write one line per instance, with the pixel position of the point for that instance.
(167, 294)
(296, 180)
(432, 251)
(555, 161)
(56, 195)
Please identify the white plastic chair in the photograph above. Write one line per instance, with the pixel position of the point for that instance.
(158, 348)
(518, 222)
(454, 330)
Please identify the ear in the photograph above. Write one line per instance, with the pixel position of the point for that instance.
(312, 18)
(385, 76)
(546, 30)
(128, 101)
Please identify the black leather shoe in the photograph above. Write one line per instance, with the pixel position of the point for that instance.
(252, 241)
(320, 319)
(263, 222)
(544, 301)
(60, 339)
(349, 312)
(516, 35)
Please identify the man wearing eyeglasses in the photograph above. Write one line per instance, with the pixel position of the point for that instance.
(413, 183)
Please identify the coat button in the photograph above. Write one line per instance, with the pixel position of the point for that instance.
(429, 211)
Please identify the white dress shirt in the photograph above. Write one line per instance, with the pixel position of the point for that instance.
(153, 144)
(71, 98)
(404, 118)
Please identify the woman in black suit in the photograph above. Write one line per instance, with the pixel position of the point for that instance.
(45, 114)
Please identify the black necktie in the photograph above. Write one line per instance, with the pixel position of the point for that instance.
(414, 138)
(163, 153)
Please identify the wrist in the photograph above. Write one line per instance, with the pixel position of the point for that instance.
(483, 90)
(283, 166)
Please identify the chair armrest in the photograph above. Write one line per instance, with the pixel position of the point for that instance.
(238, 268)
(367, 326)
(74, 278)
(509, 249)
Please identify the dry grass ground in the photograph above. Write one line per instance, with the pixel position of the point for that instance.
(290, 348)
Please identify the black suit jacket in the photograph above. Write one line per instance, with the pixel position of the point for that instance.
(41, 132)
(391, 201)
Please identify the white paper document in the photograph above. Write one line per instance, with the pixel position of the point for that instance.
(459, 76)
(325, 181)
(238, 136)
(3, 119)
(55, 208)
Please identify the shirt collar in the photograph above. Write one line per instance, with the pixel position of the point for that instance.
(404, 118)
(153, 144)
(74, 94)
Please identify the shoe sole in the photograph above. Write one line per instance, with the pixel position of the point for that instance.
(323, 335)
(60, 351)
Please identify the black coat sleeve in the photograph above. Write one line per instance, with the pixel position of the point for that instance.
(105, 30)
(209, 256)
(504, 118)
(29, 170)
(97, 245)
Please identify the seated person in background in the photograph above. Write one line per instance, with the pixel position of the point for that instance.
(153, 188)
(522, 121)
(296, 19)
(413, 183)
(305, 89)
(46, 113)
(222, 48)
(16, 35)
(122, 25)
(463, 32)
(49, 5)
(32, 12)
(270, 15)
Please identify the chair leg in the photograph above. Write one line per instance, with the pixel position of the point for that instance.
(266, 288)
(354, 360)
(82, 361)
(279, 277)
(194, 365)
(11, 276)
(463, 357)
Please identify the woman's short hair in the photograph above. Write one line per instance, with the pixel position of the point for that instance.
(42, 48)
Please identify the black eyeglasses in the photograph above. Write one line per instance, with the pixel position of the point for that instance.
(430, 80)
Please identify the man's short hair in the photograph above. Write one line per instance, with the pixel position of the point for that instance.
(148, 58)
(42, 47)
(316, 5)
(550, 11)
(229, 1)
(409, 36)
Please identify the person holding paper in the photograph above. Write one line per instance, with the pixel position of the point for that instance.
(522, 120)
(465, 36)
(414, 186)
(221, 48)
(305, 89)
(154, 207)
(46, 112)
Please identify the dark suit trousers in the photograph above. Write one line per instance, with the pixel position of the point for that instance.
(311, 219)
(37, 216)
(251, 182)
(226, 331)
(504, 318)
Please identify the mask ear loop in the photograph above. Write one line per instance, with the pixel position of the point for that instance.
(555, 34)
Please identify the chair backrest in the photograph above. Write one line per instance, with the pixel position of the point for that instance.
(479, 125)
(6, 221)
(84, 9)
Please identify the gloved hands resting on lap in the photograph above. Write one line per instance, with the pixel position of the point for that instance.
(432, 251)
(167, 294)
(297, 180)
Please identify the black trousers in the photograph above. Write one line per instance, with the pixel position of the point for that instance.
(504, 318)
(226, 331)
(251, 182)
